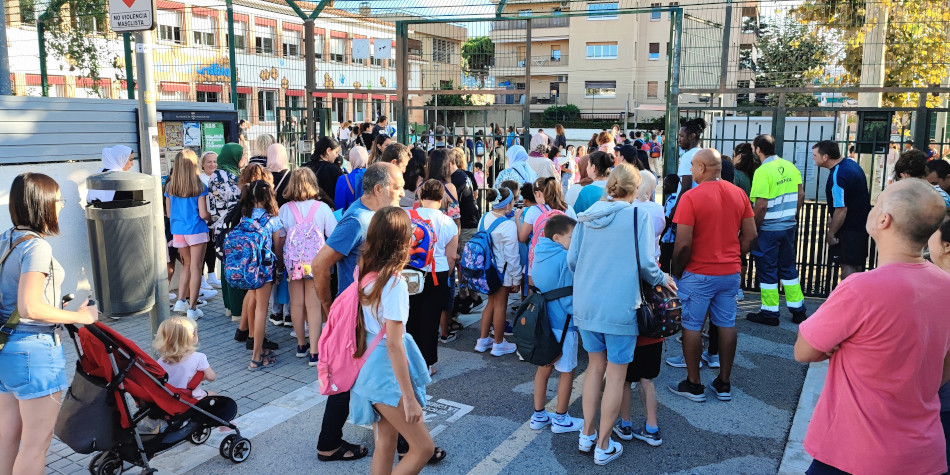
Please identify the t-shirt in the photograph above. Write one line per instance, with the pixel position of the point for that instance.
(183, 215)
(273, 225)
(742, 181)
(715, 210)
(589, 195)
(181, 373)
(445, 230)
(686, 161)
(879, 411)
(728, 172)
(466, 198)
(777, 181)
(847, 186)
(393, 305)
(347, 238)
(532, 213)
(34, 255)
(669, 236)
(504, 243)
(543, 166)
(323, 218)
(657, 219)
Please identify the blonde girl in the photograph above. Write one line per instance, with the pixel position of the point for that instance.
(504, 241)
(186, 206)
(176, 343)
(302, 195)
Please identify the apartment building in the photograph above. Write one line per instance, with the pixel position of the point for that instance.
(606, 61)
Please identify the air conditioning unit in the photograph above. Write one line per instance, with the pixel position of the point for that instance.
(562, 78)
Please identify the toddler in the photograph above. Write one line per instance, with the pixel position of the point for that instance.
(176, 343)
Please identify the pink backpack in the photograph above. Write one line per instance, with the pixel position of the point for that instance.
(338, 369)
(303, 242)
(538, 231)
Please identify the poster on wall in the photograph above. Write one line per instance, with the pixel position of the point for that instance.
(192, 134)
(212, 136)
(174, 135)
(360, 48)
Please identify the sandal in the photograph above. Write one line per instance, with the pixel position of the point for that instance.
(261, 363)
(437, 456)
(357, 452)
(455, 326)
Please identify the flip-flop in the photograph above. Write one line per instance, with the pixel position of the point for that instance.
(264, 362)
(357, 452)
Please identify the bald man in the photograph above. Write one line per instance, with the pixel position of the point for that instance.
(887, 334)
(710, 217)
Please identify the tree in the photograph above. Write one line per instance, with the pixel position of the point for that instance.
(448, 101)
(789, 55)
(478, 55)
(917, 44)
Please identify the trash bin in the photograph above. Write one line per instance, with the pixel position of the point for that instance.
(121, 243)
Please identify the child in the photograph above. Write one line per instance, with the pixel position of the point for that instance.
(479, 175)
(504, 241)
(187, 211)
(567, 164)
(258, 204)
(643, 370)
(176, 343)
(551, 272)
(670, 184)
(302, 193)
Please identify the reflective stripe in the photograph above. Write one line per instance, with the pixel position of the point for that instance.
(790, 282)
(764, 286)
(798, 304)
(770, 308)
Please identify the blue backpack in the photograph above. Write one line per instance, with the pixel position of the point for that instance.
(248, 261)
(479, 148)
(479, 271)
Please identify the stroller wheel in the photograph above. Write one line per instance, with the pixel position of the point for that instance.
(225, 449)
(95, 462)
(108, 463)
(200, 436)
(240, 450)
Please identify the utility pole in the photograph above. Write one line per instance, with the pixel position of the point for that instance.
(5, 87)
(311, 65)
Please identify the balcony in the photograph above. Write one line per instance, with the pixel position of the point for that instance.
(556, 22)
(513, 65)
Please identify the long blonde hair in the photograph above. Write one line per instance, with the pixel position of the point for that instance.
(184, 181)
(177, 337)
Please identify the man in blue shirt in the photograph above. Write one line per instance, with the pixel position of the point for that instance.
(849, 203)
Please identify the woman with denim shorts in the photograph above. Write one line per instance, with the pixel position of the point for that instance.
(32, 362)
(606, 298)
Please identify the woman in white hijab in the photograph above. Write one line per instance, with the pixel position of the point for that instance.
(117, 158)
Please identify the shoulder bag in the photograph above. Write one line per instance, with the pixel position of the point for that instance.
(7, 329)
(660, 313)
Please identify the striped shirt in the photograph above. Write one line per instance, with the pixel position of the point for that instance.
(777, 180)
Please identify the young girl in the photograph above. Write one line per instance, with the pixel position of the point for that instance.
(390, 389)
(258, 204)
(187, 210)
(304, 306)
(479, 175)
(176, 343)
(508, 260)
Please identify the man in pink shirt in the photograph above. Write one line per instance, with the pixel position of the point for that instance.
(887, 333)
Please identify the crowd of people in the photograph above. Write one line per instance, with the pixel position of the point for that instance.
(402, 225)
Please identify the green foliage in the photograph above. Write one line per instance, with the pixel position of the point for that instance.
(478, 54)
(565, 112)
(71, 34)
(790, 55)
(453, 100)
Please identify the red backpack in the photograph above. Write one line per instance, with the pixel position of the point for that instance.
(537, 232)
(338, 369)
(422, 248)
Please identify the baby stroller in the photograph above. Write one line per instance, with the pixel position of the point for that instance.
(96, 415)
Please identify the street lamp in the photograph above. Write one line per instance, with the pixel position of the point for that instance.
(554, 95)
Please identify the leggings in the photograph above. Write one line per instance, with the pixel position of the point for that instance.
(334, 417)
(425, 312)
(210, 256)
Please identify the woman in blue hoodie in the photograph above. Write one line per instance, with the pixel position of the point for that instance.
(606, 298)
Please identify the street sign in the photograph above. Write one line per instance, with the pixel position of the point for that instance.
(131, 15)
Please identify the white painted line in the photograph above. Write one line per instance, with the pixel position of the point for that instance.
(795, 459)
(504, 453)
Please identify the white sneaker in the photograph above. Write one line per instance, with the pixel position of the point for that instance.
(540, 420)
(195, 314)
(306, 331)
(205, 285)
(564, 424)
(712, 360)
(586, 442)
(483, 344)
(180, 306)
(213, 280)
(603, 457)
(172, 296)
(207, 293)
(503, 348)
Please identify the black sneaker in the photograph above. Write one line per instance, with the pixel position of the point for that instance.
(723, 390)
(241, 335)
(625, 433)
(288, 322)
(654, 438)
(268, 345)
(757, 317)
(798, 317)
(277, 319)
(693, 392)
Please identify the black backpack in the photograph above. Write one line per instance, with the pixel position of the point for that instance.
(533, 334)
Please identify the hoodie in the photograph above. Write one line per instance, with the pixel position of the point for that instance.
(606, 292)
(551, 272)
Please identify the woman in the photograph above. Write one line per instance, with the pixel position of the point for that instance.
(379, 145)
(512, 138)
(114, 159)
(413, 176)
(349, 187)
(323, 164)
(605, 142)
(223, 196)
(746, 163)
(939, 246)
(364, 136)
(32, 363)
(343, 134)
(582, 179)
(259, 152)
(209, 163)
(606, 296)
(598, 170)
(277, 165)
(440, 168)
(390, 390)
(518, 169)
(644, 201)
(560, 139)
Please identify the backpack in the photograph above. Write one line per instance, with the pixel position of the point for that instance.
(538, 231)
(654, 150)
(248, 263)
(533, 333)
(303, 242)
(338, 369)
(479, 148)
(479, 271)
(421, 250)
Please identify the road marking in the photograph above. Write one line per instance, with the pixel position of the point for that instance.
(505, 452)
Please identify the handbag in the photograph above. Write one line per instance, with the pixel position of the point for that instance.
(88, 416)
(7, 329)
(660, 314)
(415, 279)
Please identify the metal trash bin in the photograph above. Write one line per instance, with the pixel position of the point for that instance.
(121, 243)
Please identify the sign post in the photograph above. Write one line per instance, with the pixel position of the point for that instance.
(138, 16)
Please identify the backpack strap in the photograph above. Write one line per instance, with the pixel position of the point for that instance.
(296, 212)
(348, 184)
(7, 329)
(430, 258)
(495, 225)
(313, 210)
(558, 293)
(454, 199)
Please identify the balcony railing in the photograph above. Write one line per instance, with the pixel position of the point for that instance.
(537, 61)
(537, 23)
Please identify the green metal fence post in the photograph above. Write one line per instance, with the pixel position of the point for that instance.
(231, 56)
(402, 81)
(41, 35)
(672, 95)
(778, 125)
(129, 76)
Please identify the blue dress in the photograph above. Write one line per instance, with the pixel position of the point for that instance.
(377, 381)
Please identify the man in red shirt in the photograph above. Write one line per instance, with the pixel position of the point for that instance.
(709, 218)
(887, 332)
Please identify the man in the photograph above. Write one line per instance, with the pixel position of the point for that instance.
(715, 225)
(439, 137)
(381, 124)
(938, 174)
(887, 335)
(397, 154)
(638, 139)
(849, 202)
(913, 164)
(382, 187)
(778, 195)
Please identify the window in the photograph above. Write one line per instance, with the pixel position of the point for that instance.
(415, 47)
(445, 85)
(415, 76)
(601, 50)
(318, 46)
(243, 106)
(744, 97)
(378, 108)
(602, 11)
(555, 53)
(27, 12)
(202, 28)
(292, 101)
(524, 12)
(651, 89)
(291, 42)
(208, 96)
(264, 39)
(656, 14)
(746, 61)
(373, 60)
(750, 19)
(169, 26)
(522, 56)
(266, 106)
(600, 89)
(240, 36)
(673, 4)
(654, 51)
(339, 109)
(442, 50)
(174, 96)
(337, 50)
(359, 109)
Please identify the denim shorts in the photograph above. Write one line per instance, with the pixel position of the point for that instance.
(32, 365)
(619, 348)
(715, 293)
